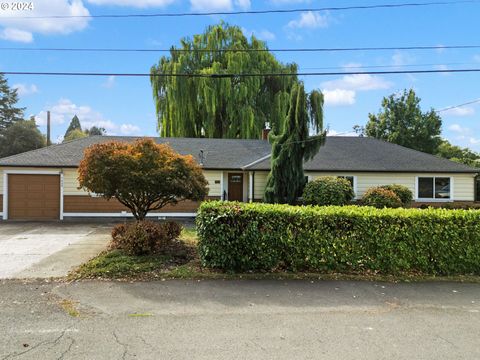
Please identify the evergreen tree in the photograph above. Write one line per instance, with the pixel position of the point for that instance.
(294, 146)
(220, 107)
(74, 125)
(22, 136)
(9, 113)
(74, 135)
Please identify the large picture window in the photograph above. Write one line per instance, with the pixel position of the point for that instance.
(434, 188)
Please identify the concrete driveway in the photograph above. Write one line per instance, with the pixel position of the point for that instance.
(48, 249)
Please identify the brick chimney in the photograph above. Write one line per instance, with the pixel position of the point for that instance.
(266, 131)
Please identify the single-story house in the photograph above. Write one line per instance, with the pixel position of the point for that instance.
(42, 184)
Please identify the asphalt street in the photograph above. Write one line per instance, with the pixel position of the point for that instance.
(239, 320)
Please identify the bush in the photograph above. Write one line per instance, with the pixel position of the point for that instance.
(404, 193)
(328, 190)
(144, 237)
(172, 229)
(263, 237)
(381, 198)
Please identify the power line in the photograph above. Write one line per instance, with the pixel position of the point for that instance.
(346, 49)
(460, 105)
(254, 12)
(219, 76)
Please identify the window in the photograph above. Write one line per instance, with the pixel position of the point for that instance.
(434, 188)
(236, 179)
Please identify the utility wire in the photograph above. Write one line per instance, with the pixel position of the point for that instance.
(458, 106)
(219, 76)
(346, 49)
(254, 12)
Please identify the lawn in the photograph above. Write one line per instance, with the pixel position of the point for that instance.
(183, 263)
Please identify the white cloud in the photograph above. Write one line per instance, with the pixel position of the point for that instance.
(25, 89)
(358, 82)
(129, 129)
(16, 29)
(133, 3)
(211, 5)
(401, 58)
(457, 128)
(243, 4)
(339, 97)
(16, 35)
(460, 111)
(259, 34)
(440, 49)
(310, 20)
(64, 110)
(110, 82)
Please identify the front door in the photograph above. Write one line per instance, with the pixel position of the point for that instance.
(235, 187)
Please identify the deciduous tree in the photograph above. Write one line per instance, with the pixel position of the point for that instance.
(294, 146)
(401, 121)
(143, 175)
(220, 106)
(21, 136)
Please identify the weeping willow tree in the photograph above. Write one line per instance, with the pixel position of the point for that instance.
(294, 146)
(220, 107)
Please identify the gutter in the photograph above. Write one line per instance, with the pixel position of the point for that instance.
(256, 162)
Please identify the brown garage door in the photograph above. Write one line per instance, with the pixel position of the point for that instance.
(33, 197)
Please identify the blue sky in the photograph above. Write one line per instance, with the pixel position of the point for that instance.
(124, 105)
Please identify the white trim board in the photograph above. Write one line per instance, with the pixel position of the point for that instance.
(127, 214)
(33, 172)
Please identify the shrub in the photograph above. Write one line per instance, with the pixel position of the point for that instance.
(328, 190)
(144, 237)
(404, 193)
(263, 237)
(172, 229)
(381, 198)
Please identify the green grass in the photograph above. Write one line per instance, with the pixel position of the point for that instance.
(115, 264)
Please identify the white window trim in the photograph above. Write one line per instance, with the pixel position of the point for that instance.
(451, 199)
(29, 172)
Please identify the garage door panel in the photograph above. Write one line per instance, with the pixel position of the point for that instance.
(33, 197)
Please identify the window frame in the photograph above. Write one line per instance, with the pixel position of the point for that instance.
(434, 199)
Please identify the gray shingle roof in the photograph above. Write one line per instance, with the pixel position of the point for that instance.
(345, 154)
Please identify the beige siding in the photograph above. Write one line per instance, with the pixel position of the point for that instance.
(260, 183)
(463, 187)
(463, 184)
(212, 177)
(70, 183)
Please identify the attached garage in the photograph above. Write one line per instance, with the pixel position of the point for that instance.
(33, 196)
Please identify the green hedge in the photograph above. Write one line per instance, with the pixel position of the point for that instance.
(263, 237)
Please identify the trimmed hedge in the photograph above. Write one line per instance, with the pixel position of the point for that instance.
(328, 190)
(263, 237)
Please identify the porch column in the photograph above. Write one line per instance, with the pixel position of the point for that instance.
(250, 186)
